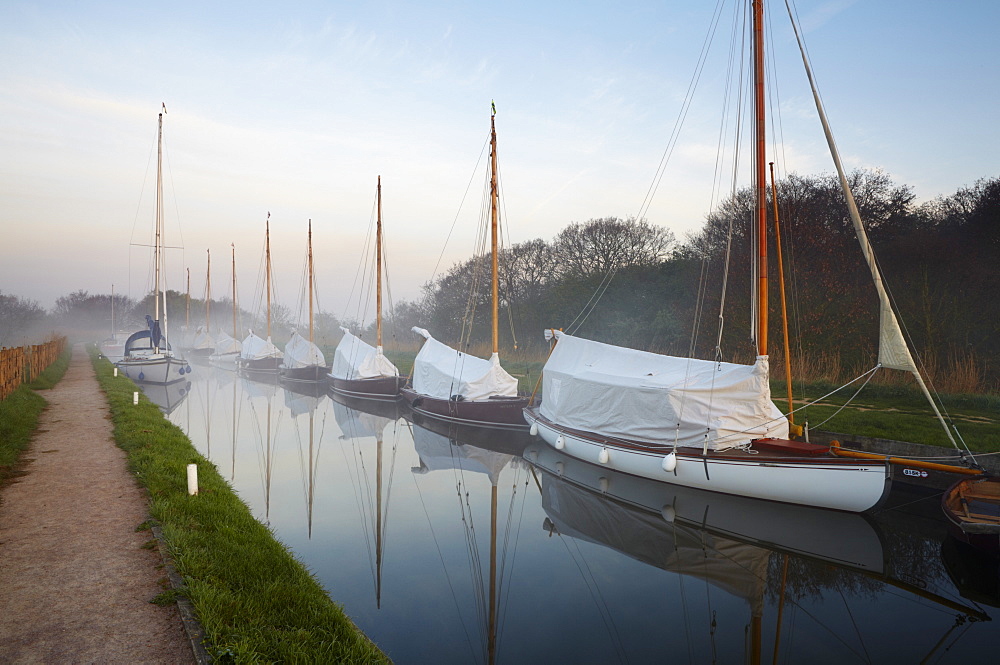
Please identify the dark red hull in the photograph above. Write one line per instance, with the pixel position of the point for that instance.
(383, 387)
(310, 374)
(492, 412)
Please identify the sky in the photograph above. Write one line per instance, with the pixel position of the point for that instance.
(294, 109)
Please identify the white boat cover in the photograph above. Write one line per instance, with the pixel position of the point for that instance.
(652, 398)
(300, 352)
(255, 348)
(203, 339)
(440, 371)
(225, 344)
(355, 359)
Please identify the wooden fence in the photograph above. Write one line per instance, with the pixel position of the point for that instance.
(23, 364)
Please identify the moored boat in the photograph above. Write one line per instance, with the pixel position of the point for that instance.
(972, 508)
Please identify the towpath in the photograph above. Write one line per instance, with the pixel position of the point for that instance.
(75, 579)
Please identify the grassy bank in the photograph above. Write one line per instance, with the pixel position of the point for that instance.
(19, 415)
(255, 601)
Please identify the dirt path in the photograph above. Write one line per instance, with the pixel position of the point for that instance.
(75, 581)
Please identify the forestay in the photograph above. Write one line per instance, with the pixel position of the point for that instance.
(355, 359)
(300, 352)
(624, 393)
(440, 371)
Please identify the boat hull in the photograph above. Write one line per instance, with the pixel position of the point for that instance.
(380, 387)
(823, 482)
(972, 508)
(158, 368)
(259, 365)
(226, 361)
(507, 412)
(308, 374)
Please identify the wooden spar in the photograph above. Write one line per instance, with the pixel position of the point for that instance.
(781, 289)
(267, 269)
(920, 464)
(494, 197)
(235, 331)
(378, 266)
(761, 178)
(378, 520)
(310, 253)
(208, 294)
(159, 219)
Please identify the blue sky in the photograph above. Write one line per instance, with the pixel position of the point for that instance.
(296, 108)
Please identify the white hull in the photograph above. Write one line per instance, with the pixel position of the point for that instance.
(157, 368)
(850, 485)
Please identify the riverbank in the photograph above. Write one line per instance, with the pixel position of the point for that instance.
(254, 601)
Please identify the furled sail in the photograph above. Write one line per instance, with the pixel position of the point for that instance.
(355, 359)
(642, 396)
(300, 352)
(441, 371)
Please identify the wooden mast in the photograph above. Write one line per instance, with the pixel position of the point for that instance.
(310, 253)
(159, 218)
(761, 176)
(267, 269)
(494, 198)
(208, 294)
(235, 331)
(784, 305)
(378, 267)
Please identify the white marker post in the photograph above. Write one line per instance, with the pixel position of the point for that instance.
(192, 470)
(135, 397)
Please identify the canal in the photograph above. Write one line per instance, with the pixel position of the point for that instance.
(449, 545)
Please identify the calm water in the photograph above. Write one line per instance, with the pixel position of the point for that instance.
(450, 546)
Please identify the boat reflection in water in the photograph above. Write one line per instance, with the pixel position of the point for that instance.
(448, 447)
(360, 420)
(741, 546)
(167, 396)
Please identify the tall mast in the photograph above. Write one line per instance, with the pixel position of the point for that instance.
(235, 331)
(267, 269)
(494, 198)
(159, 216)
(310, 252)
(187, 301)
(761, 175)
(378, 266)
(208, 294)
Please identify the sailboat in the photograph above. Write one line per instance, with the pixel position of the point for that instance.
(204, 344)
(113, 347)
(304, 361)
(359, 369)
(227, 348)
(704, 424)
(452, 385)
(258, 355)
(147, 356)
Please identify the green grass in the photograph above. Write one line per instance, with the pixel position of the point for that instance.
(899, 413)
(19, 415)
(255, 601)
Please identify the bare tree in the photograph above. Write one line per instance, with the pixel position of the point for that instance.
(599, 246)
